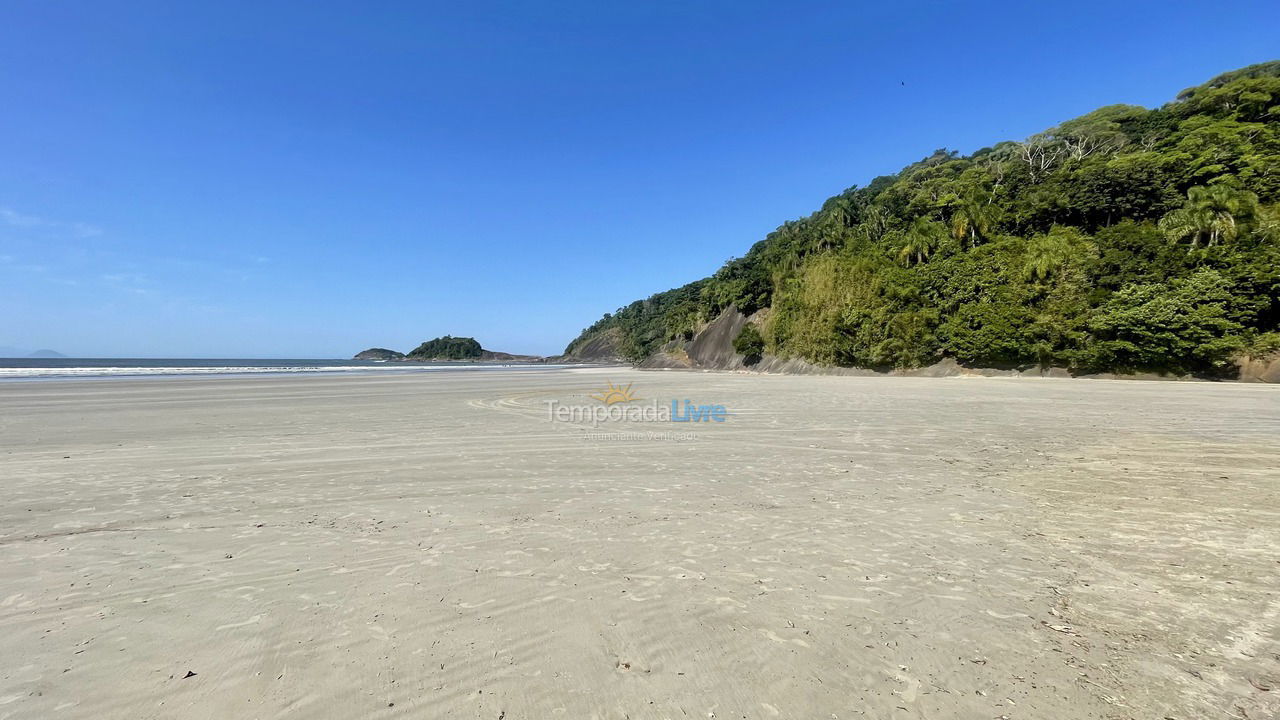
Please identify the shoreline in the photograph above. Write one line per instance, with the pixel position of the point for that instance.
(127, 372)
(340, 545)
(952, 370)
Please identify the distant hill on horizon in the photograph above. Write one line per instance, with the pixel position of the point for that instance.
(9, 351)
(444, 348)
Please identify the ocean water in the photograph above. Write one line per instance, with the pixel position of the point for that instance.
(51, 368)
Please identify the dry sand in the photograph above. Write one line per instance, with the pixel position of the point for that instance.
(431, 546)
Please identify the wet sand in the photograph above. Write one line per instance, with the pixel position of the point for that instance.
(840, 547)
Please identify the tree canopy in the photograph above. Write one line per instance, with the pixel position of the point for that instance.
(447, 348)
(1126, 239)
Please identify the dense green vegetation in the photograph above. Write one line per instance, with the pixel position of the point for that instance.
(379, 354)
(1127, 239)
(749, 344)
(447, 348)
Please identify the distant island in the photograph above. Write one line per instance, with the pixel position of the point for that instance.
(445, 349)
(379, 354)
(9, 351)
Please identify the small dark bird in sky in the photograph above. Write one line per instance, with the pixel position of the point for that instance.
(904, 83)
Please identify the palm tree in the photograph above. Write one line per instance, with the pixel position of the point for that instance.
(920, 240)
(973, 218)
(875, 223)
(1186, 222)
(841, 210)
(1212, 213)
(1045, 254)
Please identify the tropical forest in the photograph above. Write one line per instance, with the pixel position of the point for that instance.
(1129, 239)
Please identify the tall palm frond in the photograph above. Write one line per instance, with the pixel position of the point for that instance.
(921, 240)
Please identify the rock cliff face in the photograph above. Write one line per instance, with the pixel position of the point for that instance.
(712, 349)
(1265, 370)
(603, 347)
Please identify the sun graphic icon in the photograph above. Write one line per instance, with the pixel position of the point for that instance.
(615, 394)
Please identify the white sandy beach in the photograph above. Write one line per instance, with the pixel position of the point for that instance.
(432, 546)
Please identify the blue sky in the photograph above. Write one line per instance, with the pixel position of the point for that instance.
(301, 179)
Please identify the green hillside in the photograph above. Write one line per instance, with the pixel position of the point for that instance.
(447, 348)
(1126, 239)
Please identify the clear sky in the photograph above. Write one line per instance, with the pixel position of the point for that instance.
(308, 179)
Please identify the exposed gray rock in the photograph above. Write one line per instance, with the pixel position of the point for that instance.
(712, 349)
(1266, 369)
(603, 347)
